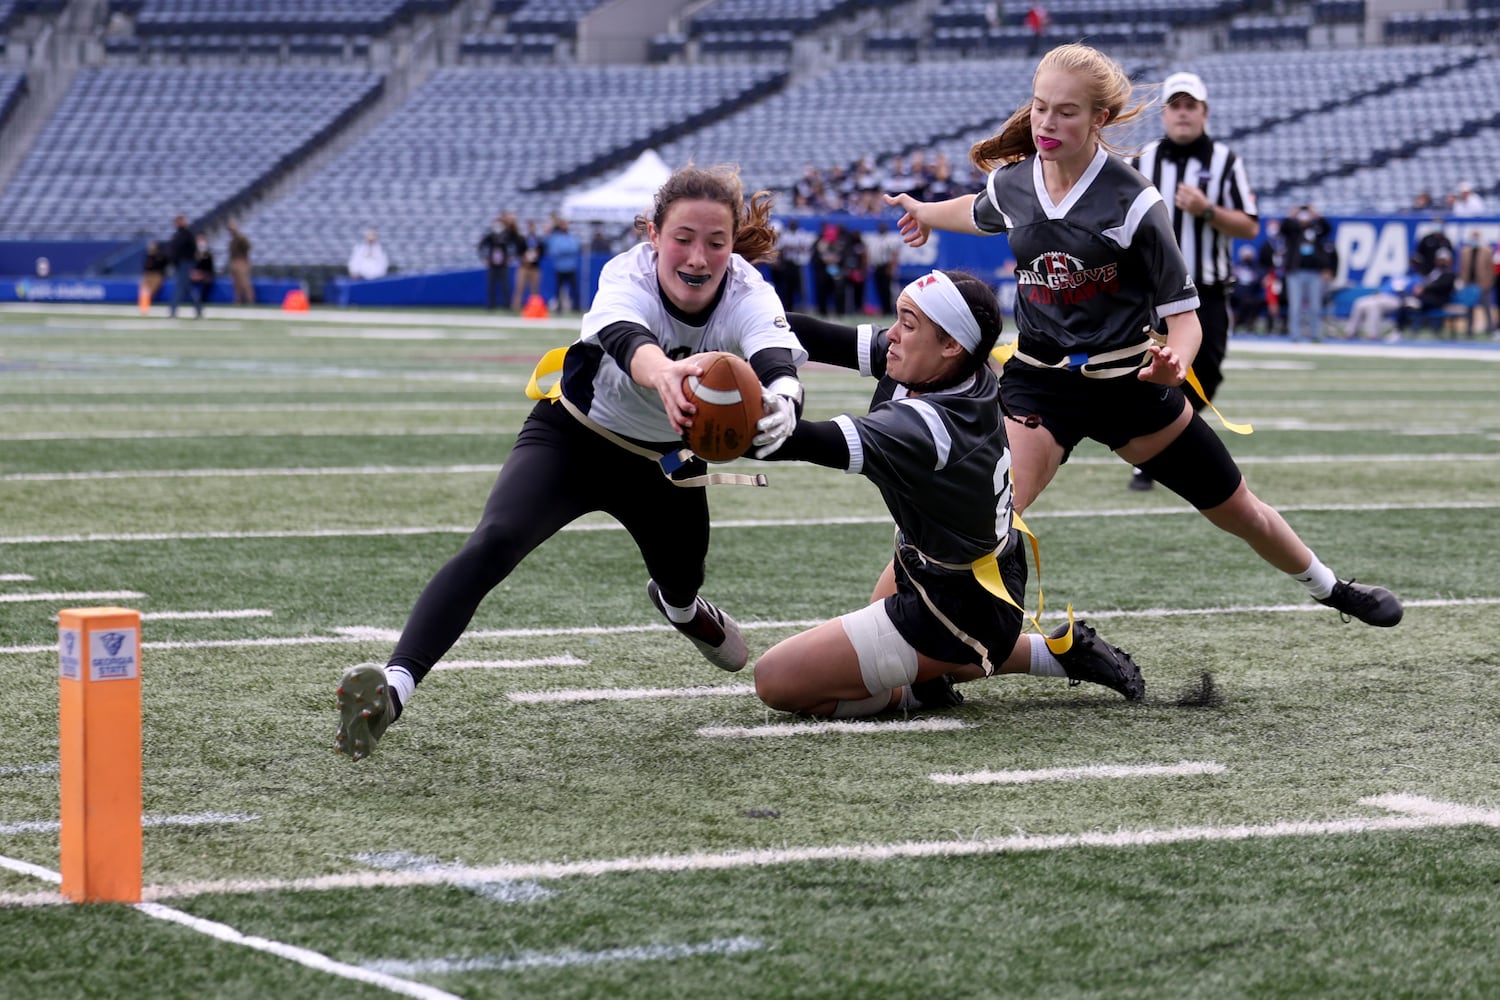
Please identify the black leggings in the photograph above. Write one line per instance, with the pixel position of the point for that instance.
(558, 471)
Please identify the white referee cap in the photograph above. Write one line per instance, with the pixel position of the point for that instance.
(1190, 84)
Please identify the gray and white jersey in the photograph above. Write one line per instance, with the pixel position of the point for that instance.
(1094, 271)
(747, 317)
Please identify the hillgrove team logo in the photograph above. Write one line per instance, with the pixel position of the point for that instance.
(1057, 277)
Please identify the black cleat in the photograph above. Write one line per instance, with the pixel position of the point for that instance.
(940, 692)
(366, 710)
(1139, 481)
(1371, 605)
(714, 633)
(1092, 659)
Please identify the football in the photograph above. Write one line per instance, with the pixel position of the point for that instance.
(727, 396)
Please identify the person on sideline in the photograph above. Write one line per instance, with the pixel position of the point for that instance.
(1209, 202)
(182, 250)
(1098, 268)
(368, 259)
(239, 266)
(1311, 262)
(691, 287)
(934, 444)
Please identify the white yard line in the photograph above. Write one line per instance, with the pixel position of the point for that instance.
(540, 661)
(780, 522)
(1403, 813)
(566, 959)
(431, 470)
(194, 819)
(629, 694)
(1106, 771)
(839, 727)
(72, 595)
(359, 634)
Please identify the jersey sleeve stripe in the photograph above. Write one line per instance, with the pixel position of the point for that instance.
(851, 438)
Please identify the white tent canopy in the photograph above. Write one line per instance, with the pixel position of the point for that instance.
(622, 197)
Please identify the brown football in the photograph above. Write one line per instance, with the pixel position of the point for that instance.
(727, 396)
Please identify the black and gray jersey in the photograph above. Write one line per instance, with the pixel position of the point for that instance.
(1094, 271)
(1213, 168)
(933, 457)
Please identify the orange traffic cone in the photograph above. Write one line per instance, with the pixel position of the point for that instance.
(143, 300)
(535, 308)
(295, 301)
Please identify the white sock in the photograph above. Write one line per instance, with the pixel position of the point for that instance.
(873, 705)
(1317, 578)
(1043, 663)
(680, 615)
(401, 683)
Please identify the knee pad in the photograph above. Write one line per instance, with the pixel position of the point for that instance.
(886, 660)
(1196, 466)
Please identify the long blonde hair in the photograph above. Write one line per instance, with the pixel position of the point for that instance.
(754, 239)
(1108, 88)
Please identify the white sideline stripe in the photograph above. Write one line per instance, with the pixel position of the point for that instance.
(223, 932)
(779, 522)
(195, 819)
(540, 661)
(629, 694)
(836, 726)
(346, 470)
(50, 765)
(200, 615)
(1415, 812)
(72, 595)
(566, 959)
(1078, 773)
(302, 956)
(358, 634)
(430, 470)
(300, 432)
(16, 578)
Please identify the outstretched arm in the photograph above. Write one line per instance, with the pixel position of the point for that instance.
(920, 218)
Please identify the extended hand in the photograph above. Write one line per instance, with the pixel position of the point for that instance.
(778, 420)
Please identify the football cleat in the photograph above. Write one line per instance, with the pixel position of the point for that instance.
(1371, 605)
(1092, 659)
(366, 710)
(714, 633)
(940, 692)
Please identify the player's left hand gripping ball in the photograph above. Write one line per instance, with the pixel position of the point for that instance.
(726, 398)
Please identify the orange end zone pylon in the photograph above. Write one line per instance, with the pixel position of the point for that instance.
(99, 708)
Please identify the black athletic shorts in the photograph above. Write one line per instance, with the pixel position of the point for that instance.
(1112, 411)
(963, 601)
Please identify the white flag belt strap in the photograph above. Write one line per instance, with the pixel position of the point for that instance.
(669, 462)
(1106, 365)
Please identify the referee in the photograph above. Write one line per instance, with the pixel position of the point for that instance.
(1208, 196)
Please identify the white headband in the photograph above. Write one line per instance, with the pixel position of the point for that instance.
(940, 300)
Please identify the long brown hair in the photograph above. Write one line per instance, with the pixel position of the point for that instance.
(1108, 88)
(754, 239)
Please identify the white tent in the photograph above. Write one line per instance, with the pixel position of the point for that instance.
(622, 197)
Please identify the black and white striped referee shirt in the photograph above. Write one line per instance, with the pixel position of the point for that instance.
(1219, 173)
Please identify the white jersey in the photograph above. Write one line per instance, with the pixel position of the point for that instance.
(746, 318)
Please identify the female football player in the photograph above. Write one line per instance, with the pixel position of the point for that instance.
(608, 439)
(1096, 266)
(948, 606)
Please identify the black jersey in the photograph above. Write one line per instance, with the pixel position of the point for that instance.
(1094, 272)
(932, 457)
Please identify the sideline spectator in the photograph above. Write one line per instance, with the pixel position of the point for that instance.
(239, 266)
(182, 248)
(368, 259)
(1311, 261)
(564, 250)
(1476, 267)
(528, 267)
(1466, 203)
(883, 251)
(498, 248)
(203, 272)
